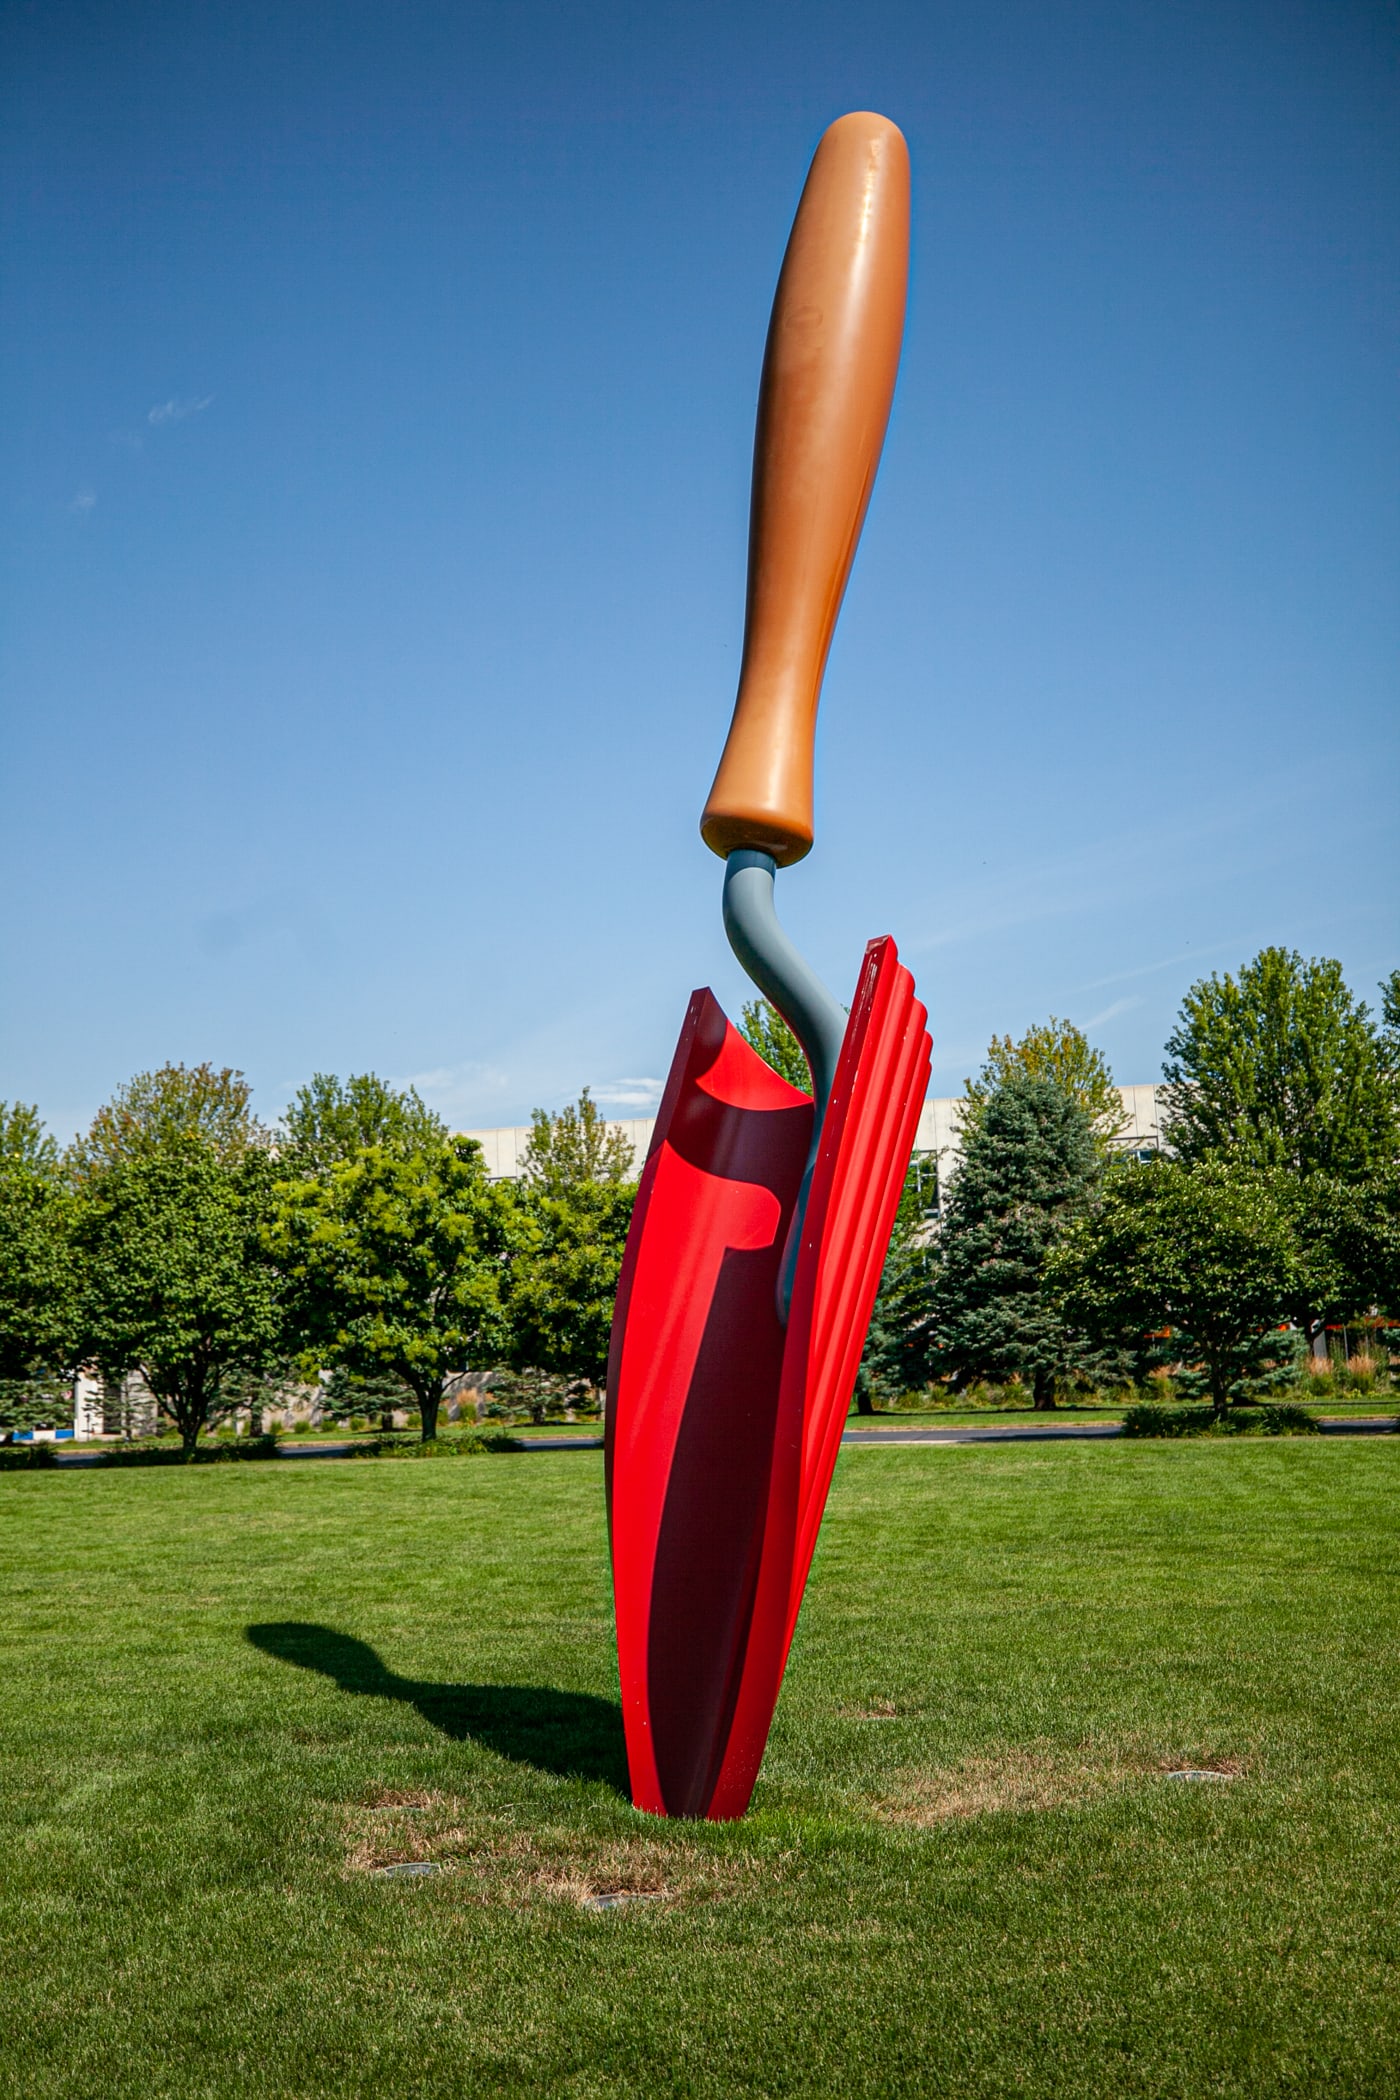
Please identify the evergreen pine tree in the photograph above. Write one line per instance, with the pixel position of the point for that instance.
(892, 1363)
(1031, 1166)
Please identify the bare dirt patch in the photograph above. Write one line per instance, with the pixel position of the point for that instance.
(494, 1859)
(1206, 1768)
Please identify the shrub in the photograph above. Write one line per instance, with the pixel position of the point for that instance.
(27, 1458)
(1283, 1418)
(1148, 1418)
(1274, 1419)
(473, 1443)
(150, 1453)
(982, 1393)
(921, 1399)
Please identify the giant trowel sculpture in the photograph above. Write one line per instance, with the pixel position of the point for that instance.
(764, 1214)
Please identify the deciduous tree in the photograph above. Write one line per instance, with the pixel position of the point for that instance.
(1207, 1251)
(1280, 1067)
(577, 1194)
(575, 1148)
(332, 1120)
(400, 1263)
(1348, 1242)
(1054, 1050)
(24, 1142)
(37, 1307)
(765, 1030)
(160, 1109)
(176, 1282)
(564, 1282)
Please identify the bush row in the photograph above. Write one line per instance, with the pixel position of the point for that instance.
(1283, 1419)
(473, 1443)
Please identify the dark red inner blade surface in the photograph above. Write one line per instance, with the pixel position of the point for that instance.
(693, 1384)
(723, 1428)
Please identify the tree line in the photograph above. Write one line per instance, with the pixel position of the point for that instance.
(183, 1240)
(362, 1243)
(1058, 1262)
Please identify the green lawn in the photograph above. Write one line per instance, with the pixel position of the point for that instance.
(228, 1693)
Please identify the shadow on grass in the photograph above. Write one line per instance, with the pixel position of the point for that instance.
(571, 1734)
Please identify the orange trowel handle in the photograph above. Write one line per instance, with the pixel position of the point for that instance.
(828, 378)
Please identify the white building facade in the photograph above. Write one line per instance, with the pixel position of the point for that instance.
(939, 1133)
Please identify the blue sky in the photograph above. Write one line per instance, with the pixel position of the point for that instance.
(378, 387)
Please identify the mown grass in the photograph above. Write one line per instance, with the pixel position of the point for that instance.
(228, 1695)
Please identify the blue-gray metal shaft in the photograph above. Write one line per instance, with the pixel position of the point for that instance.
(794, 988)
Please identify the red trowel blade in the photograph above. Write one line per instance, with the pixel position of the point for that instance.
(722, 1428)
(693, 1381)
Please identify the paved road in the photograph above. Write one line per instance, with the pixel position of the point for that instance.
(1058, 1432)
(1019, 1433)
(1333, 1425)
(998, 1433)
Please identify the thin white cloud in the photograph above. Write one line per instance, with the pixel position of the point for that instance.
(176, 411)
(480, 1096)
(84, 503)
(541, 1067)
(1140, 864)
(1111, 1013)
(639, 1095)
(1168, 962)
(462, 1094)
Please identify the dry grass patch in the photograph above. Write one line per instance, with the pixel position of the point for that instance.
(496, 1860)
(1016, 1781)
